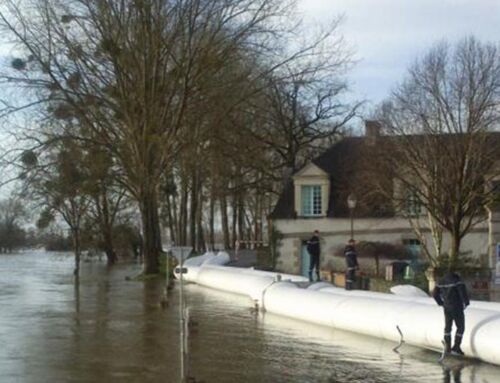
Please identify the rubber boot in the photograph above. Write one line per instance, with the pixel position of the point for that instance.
(456, 347)
(447, 342)
(310, 276)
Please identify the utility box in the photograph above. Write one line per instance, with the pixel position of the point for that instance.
(339, 279)
(364, 283)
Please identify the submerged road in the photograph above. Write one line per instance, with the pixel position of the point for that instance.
(109, 329)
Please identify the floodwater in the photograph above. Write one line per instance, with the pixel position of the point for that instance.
(109, 329)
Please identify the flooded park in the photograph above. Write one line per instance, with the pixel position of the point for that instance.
(310, 134)
(112, 329)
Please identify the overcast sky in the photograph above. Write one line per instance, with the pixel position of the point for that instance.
(388, 34)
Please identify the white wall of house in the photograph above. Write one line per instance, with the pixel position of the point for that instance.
(335, 232)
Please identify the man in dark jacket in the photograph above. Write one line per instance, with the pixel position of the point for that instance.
(450, 292)
(313, 249)
(351, 260)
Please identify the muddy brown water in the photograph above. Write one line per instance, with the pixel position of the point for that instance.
(113, 330)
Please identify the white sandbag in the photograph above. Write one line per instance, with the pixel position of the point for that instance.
(278, 276)
(199, 259)
(408, 291)
(319, 285)
(220, 259)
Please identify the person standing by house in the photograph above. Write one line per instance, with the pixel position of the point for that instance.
(351, 260)
(451, 294)
(313, 248)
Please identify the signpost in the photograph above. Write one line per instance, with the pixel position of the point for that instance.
(180, 253)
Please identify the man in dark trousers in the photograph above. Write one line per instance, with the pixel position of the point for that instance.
(313, 249)
(351, 260)
(450, 292)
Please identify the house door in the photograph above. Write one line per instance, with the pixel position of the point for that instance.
(304, 260)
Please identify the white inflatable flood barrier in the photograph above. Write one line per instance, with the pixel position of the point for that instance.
(423, 299)
(370, 313)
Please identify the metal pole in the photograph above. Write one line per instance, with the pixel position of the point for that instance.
(186, 342)
(181, 313)
(352, 225)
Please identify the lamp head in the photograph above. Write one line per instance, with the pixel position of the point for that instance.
(351, 201)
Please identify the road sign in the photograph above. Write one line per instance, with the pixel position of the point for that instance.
(181, 252)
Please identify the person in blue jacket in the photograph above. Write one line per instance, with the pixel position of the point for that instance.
(451, 294)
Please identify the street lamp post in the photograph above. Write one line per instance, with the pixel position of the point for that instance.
(351, 204)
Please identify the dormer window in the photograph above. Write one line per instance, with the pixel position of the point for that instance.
(311, 200)
(311, 188)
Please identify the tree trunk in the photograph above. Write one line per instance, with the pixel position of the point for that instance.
(193, 211)
(200, 242)
(171, 223)
(157, 227)
(75, 231)
(234, 210)
(454, 250)
(175, 218)
(151, 232)
(108, 247)
(225, 222)
(211, 220)
(258, 219)
(183, 214)
(241, 218)
(107, 231)
(430, 274)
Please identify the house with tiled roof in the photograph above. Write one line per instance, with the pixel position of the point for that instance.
(316, 198)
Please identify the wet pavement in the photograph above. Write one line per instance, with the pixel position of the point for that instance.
(109, 329)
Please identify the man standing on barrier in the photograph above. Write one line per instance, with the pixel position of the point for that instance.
(351, 260)
(313, 249)
(451, 294)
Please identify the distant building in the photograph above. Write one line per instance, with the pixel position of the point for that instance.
(316, 196)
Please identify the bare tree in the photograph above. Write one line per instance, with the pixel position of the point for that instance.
(60, 185)
(108, 199)
(305, 106)
(443, 153)
(130, 72)
(12, 212)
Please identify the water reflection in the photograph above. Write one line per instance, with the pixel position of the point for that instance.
(107, 329)
(453, 373)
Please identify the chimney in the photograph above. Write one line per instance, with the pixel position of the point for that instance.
(372, 130)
